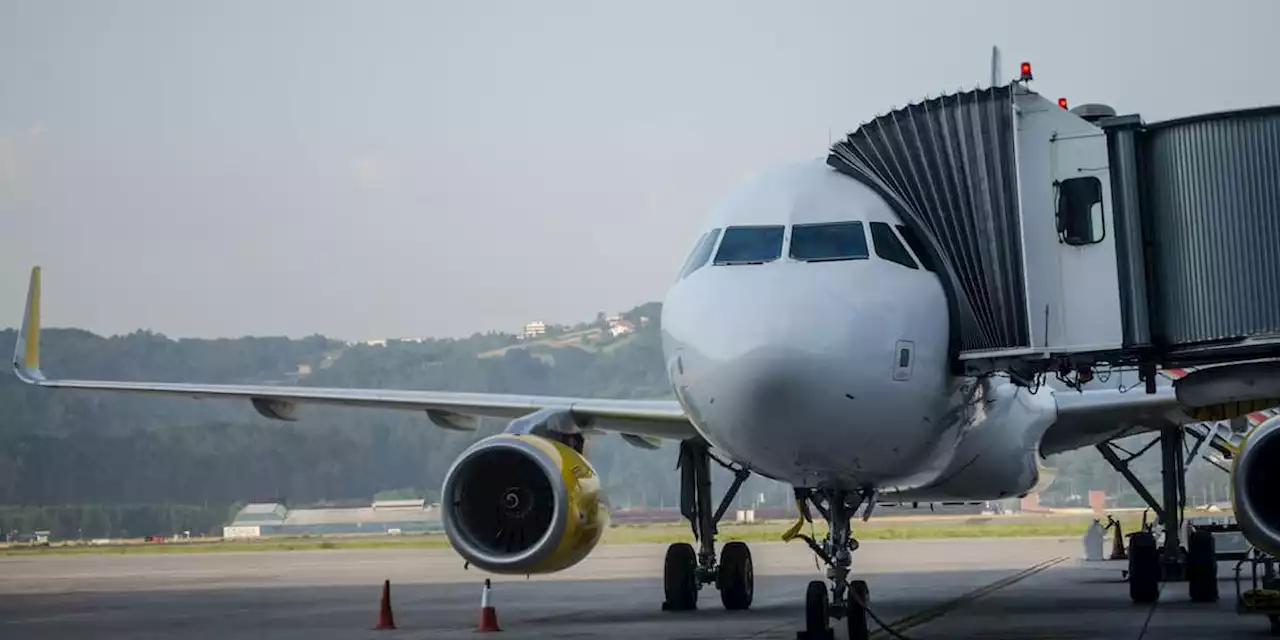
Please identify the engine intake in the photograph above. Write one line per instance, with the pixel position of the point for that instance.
(522, 504)
(1255, 486)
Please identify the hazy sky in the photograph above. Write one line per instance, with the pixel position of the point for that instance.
(369, 169)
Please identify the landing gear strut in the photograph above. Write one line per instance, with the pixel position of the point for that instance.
(848, 599)
(685, 572)
(1149, 563)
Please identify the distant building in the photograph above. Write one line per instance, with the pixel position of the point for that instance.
(379, 342)
(619, 326)
(386, 516)
(534, 330)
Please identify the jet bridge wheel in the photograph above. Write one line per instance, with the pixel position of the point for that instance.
(1202, 566)
(736, 577)
(680, 578)
(1144, 568)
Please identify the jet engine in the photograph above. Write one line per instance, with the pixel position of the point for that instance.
(523, 504)
(1255, 486)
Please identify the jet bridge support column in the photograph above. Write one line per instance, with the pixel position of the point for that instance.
(1173, 476)
(1148, 566)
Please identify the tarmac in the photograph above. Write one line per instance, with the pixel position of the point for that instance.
(968, 588)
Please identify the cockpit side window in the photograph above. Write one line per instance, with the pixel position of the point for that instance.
(750, 245)
(889, 247)
(917, 247)
(829, 241)
(700, 254)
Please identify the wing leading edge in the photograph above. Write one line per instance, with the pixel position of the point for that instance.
(640, 420)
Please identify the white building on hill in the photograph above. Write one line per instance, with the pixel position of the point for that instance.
(534, 330)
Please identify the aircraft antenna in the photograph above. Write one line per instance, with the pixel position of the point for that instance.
(995, 66)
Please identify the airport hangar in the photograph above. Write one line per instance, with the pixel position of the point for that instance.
(382, 517)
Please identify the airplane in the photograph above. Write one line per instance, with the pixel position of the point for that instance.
(805, 339)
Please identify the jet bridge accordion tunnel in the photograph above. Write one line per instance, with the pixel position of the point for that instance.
(1072, 239)
(1069, 240)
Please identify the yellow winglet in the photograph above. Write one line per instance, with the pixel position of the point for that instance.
(26, 353)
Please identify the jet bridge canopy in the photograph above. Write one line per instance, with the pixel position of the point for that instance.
(1067, 241)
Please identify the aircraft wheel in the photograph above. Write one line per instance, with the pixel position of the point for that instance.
(859, 600)
(1144, 568)
(816, 611)
(680, 578)
(1202, 567)
(736, 576)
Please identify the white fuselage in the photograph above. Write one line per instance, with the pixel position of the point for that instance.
(834, 371)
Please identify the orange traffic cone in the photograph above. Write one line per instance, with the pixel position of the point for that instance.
(488, 615)
(385, 619)
(1117, 544)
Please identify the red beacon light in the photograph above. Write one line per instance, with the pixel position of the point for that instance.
(1062, 102)
(1026, 72)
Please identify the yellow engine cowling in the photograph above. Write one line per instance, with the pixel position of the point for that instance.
(523, 504)
(1255, 486)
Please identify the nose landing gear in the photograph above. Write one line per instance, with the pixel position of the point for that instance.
(847, 599)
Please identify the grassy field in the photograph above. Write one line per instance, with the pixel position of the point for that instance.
(888, 528)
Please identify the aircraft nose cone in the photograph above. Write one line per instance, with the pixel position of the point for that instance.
(778, 386)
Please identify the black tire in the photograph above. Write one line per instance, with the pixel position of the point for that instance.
(736, 577)
(1144, 568)
(1202, 567)
(680, 578)
(816, 611)
(859, 600)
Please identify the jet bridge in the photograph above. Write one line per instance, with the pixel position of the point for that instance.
(1068, 240)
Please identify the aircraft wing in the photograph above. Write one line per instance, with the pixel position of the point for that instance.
(1096, 415)
(1121, 407)
(638, 420)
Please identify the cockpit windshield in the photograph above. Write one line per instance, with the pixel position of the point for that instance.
(701, 253)
(889, 247)
(829, 241)
(750, 245)
(917, 247)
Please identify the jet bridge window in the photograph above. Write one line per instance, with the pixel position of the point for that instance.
(1080, 215)
(832, 241)
(889, 247)
(700, 254)
(750, 245)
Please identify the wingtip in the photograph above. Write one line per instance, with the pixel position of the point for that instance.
(26, 354)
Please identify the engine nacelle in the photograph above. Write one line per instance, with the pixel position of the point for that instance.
(523, 504)
(1255, 486)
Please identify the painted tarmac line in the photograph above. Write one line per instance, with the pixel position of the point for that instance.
(933, 613)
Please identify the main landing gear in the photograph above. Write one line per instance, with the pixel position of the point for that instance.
(847, 599)
(1151, 563)
(685, 572)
